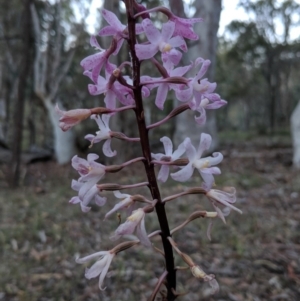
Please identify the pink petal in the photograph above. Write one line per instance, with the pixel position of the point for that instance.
(203, 69)
(208, 178)
(107, 149)
(152, 33)
(217, 104)
(201, 119)
(178, 42)
(142, 234)
(107, 31)
(104, 272)
(168, 145)
(112, 20)
(92, 157)
(180, 71)
(94, 42)
(184, 95)
(161, 95)
(205, 142)
(110, 99)
(179, 151)
(95, 269)
(163, 173)
(184, 174)
(100, 201)
(139, 28)
(75, 200)
(167, 31)
(190, 149)
(144, 52)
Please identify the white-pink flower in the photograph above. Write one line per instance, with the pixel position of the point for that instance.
(86, 196)
(225, 199)
(102, 134)
(100, 267)
(202, 164)
(111, 89)
(136, 221)
(169, 156)
(126, 203)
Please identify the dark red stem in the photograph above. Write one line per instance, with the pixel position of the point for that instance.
(149, 166)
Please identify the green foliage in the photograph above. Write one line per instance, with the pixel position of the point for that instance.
(255, 66)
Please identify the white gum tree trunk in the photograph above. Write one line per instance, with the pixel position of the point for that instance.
(295, 129)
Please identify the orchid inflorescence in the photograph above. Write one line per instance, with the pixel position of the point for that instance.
(124, 92)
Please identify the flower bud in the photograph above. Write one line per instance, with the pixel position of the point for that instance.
(70, 118)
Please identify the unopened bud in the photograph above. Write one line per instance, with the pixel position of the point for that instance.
(70, 118)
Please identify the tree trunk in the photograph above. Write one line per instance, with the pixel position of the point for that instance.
(295, 129)
(19, 105)
(205, 47)
(64, 146)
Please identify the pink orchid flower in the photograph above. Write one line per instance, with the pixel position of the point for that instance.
(205, 104)
(136, 221)
(163, 42)
(202, 164)
(169, 156)
(100, 267)
(95, 61)
(86, 196)
(102, 134)
(126, 203)
(198, 88)
(116, 28)
(112, 89)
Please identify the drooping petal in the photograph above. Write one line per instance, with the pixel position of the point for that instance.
(163, 173)
(107, 151)
(142, 234)
(110, 99)
(161, 95)
(95, 269)
(201, 119)
(184, 174)
(104, 272)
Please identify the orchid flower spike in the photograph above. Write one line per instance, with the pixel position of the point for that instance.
(202, 164)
